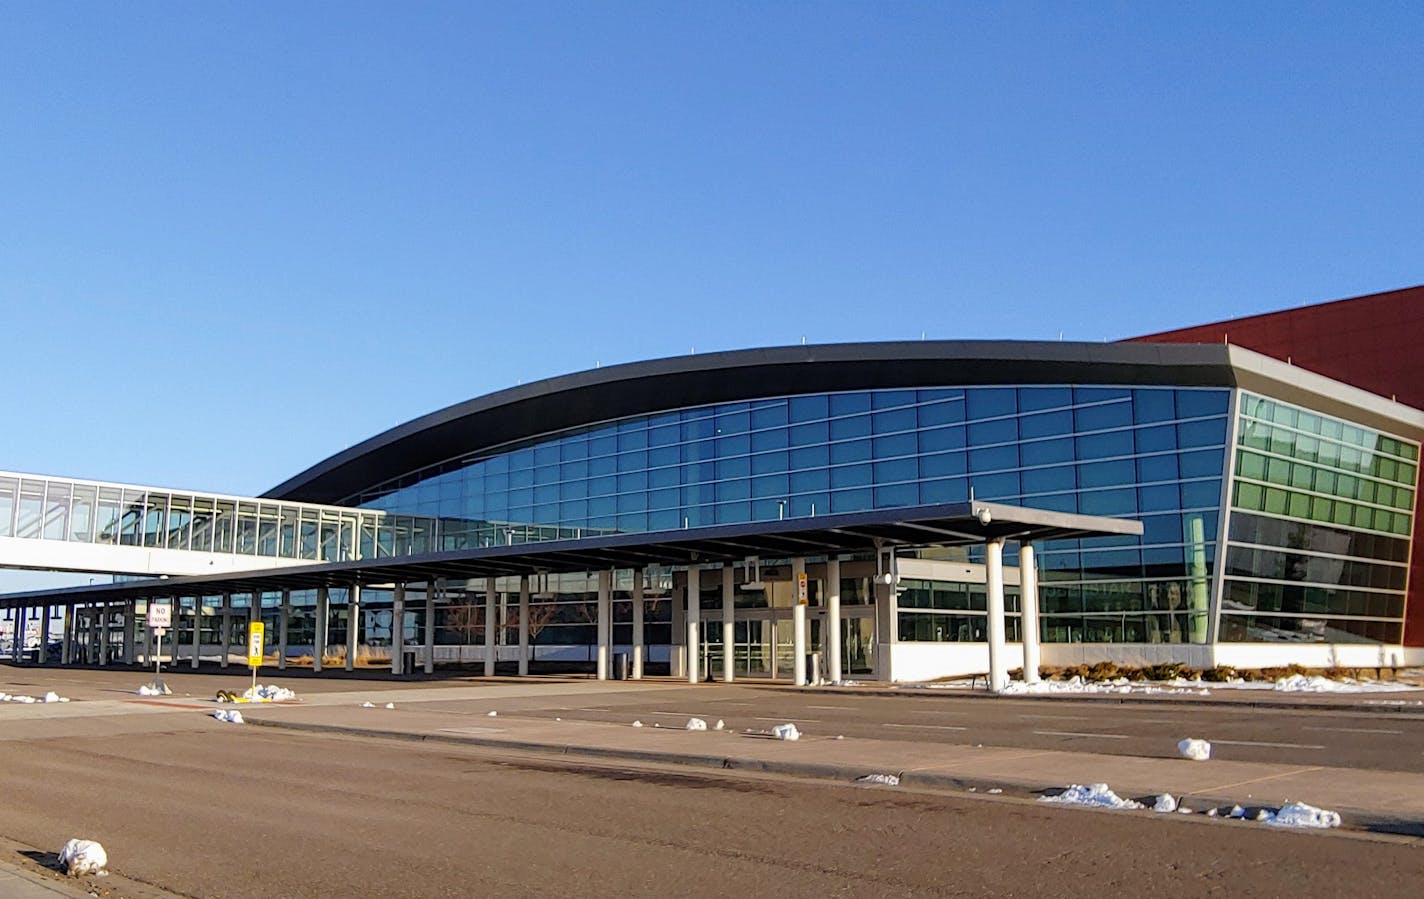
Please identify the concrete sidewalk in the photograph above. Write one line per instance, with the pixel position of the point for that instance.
(1368, 799)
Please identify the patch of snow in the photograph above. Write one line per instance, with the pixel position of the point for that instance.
(635, 723)
(146, 690)
(390, 705)
(1120, 685)
(1299, 683)
(696, 724)
(786, 732)
(888, 780)
(1196, 750)
(995, 790)
(1236, 812)
(493, 714)
(1166, 803)
(719, 725)
(368, 705)
(269, 693)
(231, 716)
(1094, 795)
(81, 857)
(1298, 814)
(51, 696)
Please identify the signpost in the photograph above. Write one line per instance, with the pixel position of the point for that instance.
(802, 593)
(255, 632)
(160, 619)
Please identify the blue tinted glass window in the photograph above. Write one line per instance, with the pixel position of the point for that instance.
(1159, 498)
(571, 470)
(885, 399)
(996, 486)
(897, 470)
(663, 455)
(1105, 445)
(776, 438)
(733, 422)
(663, 477)
(1047, 452)
(1194, 403)
(850, 476)
(942, 413)
(735, 489)
(573, 448)
(547, 454)
(1203, 464)
(1110, 415)
(634, 461)
(1198, 494)
(809, 481)
(632, 502)
(1156, 439)
(850, 451)
(846, 428)
(732, 513)
(1001, 431)
(942, 464)
(770, 415)
(1046, 424)
(994, 459)
(633, 480)
(857, 500)
(546, 493)
(1049, 480)
(1156, 468)
(1108, 502)
(810, 456)
(632, 440)
(1099, 394)
(770, 485)
(663, 499)
(663, 520)
(896, 496)
(574, 489)
(603, 445)
(521, 477)
(895, 445)
(496, 465)
(947, 490)
(892, 421)
(573, 510)
(809, 408)
(602, 486)
(1104, 474)
(807, 434)
(768, 462)
(547, 474)
(942, 439)
(988, 402)
(697, 429)
(1153, 405)
(603, 465)
(1058, 502)
(734, 468)
(1209, 432)
(602, 505)
(1031, 398)
(849, 403)
(736, 445)
(699, 472)
(664, 436)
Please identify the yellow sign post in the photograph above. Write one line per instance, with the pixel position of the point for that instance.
(255, 632)
(802, 593)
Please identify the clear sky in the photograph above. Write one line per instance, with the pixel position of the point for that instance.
(239, 237)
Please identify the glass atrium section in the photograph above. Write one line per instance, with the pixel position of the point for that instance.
(1321, 513)
(90, 512)
(1156, 454)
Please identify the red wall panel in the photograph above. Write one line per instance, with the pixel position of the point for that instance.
(1375, 342)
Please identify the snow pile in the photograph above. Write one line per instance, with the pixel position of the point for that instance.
(1078, 685)
(635, 723)
(368, 705)
(719, 725)
(1094, 795)
(786, 732)
(1300, 683)
(1165, 803)
(1298, 814)
(149, 690)
(17, 697)
(888, 780)
(232, 716)
(390, 705)
(696, 724)
(492, 714)
(1196, 750)
(269, 693)
(81, 857)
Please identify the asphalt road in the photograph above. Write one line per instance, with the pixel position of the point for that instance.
(1341, 737)
(209, 810)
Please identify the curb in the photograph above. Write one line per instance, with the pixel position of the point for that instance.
(1352, 820)
(1107, 698)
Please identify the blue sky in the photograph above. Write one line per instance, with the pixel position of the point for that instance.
(237, 238)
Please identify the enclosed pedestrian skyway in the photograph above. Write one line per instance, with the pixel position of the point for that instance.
(695, 555)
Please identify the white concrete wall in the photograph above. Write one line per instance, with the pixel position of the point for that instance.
(1058, 655)
(915, 662)
(1311, 655)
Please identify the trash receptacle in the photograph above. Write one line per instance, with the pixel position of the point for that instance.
(408, 662)
(813, 668)
(620, 666)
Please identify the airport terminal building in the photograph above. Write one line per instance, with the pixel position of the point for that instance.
(908, 511)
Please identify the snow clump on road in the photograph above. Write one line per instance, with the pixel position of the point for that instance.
(786, 732)
(1165, 803)
(17, 697)
(1298, 814)
(888, 780)
(696, 724)
(232, 716)
(81, 857)
(1196, 750)
(1093, 795)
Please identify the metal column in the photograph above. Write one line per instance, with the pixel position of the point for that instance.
(523, 625)
(638, 611)
(323, 611)
(994, 577)
(605, 622)
(284, 624)
(831, 635)
(353, 624)
(798, 624)
(729, 625)
(1028, 610)
(489, 626)
(694, 612)
(398, 628)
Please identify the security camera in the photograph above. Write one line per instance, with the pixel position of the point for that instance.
(984, 516)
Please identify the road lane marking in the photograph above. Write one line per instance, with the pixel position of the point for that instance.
(1357, 730)
(931, 726)
(1059, 717)
(1268, 745)
(787, 718)
(590, 710)
(1069, 733)
(832, 708)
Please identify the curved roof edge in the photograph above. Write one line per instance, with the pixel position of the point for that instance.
(637, 388)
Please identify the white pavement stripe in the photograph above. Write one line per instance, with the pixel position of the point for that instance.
(1059, 717)
(1070, 733)
(590, 710)
(1269, 745)
(931, 726)
(787, 718)
(1358, 730)
(832, 708)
